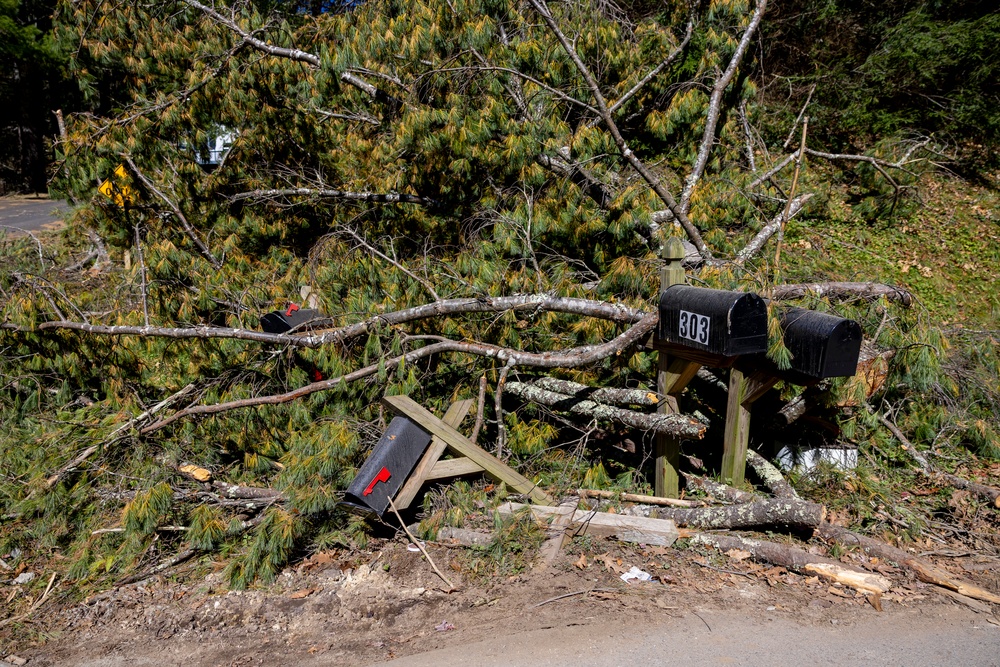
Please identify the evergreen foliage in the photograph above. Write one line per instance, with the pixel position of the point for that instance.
(406, 157)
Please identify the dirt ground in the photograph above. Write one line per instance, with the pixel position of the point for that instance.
(361, 609)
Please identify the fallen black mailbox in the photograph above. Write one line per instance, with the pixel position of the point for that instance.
(281, 321)
(714, 321)
(822, 345)
(388, 466)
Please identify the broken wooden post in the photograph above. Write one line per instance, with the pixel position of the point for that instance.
(459, 444)
(668, 447)
(429, 462)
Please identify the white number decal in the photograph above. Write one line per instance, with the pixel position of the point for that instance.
(694, 327)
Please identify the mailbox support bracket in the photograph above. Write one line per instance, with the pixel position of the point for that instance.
(475, 458)
(744, 390)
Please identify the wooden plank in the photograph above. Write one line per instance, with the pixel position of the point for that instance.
(667, 448)
(758, 384)
(557, 532)
(454, 468)
(636, 529)
(737, 431)
(462, 446)
(454, 416)
(690, 354)
(679, 373)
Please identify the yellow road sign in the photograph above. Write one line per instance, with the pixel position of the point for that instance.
(115, 189)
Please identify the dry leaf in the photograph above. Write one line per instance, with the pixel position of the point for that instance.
(738, 554)
(876, 601)
(582, 562)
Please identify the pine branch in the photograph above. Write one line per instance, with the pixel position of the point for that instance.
(322, 193)
(670, 424)
(651, 179)
(188, 229)
(715, 108)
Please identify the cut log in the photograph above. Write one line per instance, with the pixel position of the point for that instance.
(670, 424)
(797, 559)
(637, 529)
(924, 571)
(609, 395)
(768, 513)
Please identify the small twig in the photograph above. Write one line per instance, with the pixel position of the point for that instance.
(451, 586)
(585, 591)
(719, 569)
(788, 203)
(802, 112)
(703, 620)
(480, 410)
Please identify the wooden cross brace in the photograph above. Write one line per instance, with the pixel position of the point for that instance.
(472, 458)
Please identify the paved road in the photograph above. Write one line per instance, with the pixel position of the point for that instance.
(907, 638)
(29, 214)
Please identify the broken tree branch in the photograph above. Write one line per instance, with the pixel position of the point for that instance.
(924, 571)
(637, 498)
(990, 493)
(571, 358)
(797, 559)
(540, 302)
(671, 424)
(770, 476)
(610, 395)
(651, 179)
(835, 290)
(785, 513)
(715, 108)
(185, 225)
(324, 193)
(117, 434)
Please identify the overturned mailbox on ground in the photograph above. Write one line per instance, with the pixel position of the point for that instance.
(281, 321)
(714, 321)
(822, 345)
(388, 466)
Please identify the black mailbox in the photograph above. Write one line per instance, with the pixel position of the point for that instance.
(716, 321)
(388, 466)
(281, 321)
(822, 345)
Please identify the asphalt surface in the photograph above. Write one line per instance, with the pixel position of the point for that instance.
(30, 214)
(907, 638)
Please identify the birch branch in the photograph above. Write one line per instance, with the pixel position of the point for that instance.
(715, 108)
(670, 424)
(570, 358)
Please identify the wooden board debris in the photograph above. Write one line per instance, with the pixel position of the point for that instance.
(636, 529)
(462, 446)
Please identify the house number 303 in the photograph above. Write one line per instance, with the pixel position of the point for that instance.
(694, 327)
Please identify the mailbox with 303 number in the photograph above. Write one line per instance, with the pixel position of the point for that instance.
(714, 321)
